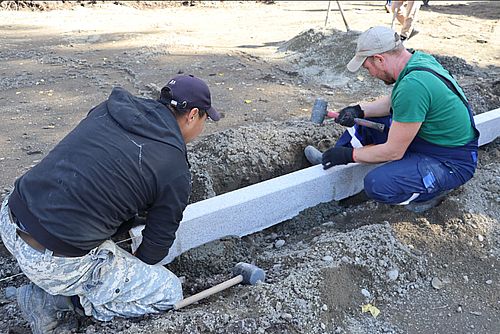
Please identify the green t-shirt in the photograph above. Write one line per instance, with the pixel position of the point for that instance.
(421, 96)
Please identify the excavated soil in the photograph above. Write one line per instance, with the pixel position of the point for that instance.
(436, 272)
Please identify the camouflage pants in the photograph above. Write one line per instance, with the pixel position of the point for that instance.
(108, 280)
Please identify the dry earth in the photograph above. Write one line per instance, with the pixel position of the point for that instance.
(436, 272)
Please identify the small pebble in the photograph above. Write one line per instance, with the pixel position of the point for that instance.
(324, 307)
(393, 274)
(489, 282)
(279, 243)
(480, 238)
(327, 258)
(301, 303)
(365, 293)
(437, 283)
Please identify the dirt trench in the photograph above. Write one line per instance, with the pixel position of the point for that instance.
(237, 158)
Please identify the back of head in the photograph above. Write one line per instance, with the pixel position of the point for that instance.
(374, 41)
(185, 92)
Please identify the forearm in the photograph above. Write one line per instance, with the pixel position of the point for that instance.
(399, 138)
(378, 108)
(375, 154)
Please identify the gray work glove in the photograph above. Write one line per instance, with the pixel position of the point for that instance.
(348, 114)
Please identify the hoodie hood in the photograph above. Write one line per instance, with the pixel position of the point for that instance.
(145, 117)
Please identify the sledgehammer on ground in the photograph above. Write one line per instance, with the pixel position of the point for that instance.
(243, 273)
(319, 113)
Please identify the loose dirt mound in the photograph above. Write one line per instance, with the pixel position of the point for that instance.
(236, 158)
(322, 55)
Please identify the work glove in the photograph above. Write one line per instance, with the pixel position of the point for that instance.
(348, 114)
(337, 156)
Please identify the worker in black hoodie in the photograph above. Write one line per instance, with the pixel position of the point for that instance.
(126, 157)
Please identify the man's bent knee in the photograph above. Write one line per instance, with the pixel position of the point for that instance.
(377, 186)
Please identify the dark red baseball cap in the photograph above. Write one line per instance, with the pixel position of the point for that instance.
(188, 91)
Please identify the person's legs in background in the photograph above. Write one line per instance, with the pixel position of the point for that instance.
(397, 13)
(387, 6)
(408, 30)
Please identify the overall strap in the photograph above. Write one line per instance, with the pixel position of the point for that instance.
(452, 87)
(471, 147)
(444, 79)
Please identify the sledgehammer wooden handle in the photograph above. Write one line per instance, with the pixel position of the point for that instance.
(208, 292)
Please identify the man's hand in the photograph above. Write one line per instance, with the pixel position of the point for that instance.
(348, 114)
(337, 156)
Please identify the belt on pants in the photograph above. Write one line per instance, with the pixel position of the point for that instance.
(29, 240)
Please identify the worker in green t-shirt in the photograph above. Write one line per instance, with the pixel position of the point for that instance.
(430, 140)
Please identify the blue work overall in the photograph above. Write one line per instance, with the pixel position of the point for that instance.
(425, 170)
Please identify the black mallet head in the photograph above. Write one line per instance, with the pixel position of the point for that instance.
(319, 111)
(251, 274)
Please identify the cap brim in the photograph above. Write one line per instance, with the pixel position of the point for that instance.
(356, 63)
(214, 115)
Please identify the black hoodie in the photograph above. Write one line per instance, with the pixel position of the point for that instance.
(125, 157)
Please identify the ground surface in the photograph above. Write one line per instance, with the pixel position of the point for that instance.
(266, 63)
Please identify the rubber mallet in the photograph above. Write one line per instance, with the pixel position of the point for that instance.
(319, 113)
(243, 273)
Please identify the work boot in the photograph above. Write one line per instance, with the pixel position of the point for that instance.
(413, 34)
(420, 207)
(43, 311)
(313, 155)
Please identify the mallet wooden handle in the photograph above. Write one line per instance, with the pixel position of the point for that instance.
(361, 121)
(369, 124)
(208, 292)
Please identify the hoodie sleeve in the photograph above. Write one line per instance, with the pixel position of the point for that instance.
(163, 219)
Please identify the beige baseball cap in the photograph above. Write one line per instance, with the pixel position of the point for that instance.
(373, 41)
